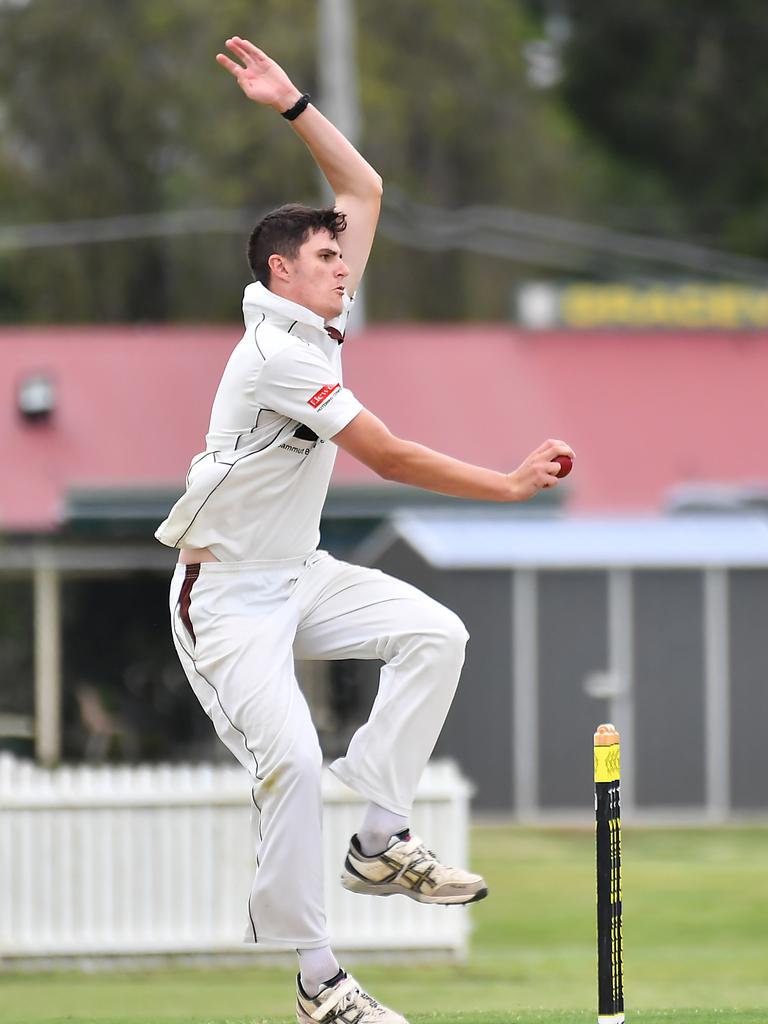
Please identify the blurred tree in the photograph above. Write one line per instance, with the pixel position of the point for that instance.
(453, 120)
(677, 94)
(118, 109)
(114, 109)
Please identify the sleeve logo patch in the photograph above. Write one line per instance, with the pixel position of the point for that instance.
(323, 395)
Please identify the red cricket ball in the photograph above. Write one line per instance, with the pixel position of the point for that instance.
(566, 465)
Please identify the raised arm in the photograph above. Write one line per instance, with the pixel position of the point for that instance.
(355, 184)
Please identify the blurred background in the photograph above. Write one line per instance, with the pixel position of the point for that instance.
(574, 243)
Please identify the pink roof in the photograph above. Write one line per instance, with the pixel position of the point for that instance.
(644, 411)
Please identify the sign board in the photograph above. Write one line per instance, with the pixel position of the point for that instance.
(542, 305)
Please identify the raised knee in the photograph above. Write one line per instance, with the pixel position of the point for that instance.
(450, 634)
(455, 631)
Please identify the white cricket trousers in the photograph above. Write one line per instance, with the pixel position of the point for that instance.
(237, 627)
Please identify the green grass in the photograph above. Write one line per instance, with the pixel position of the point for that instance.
(514, 1016)
(695, 946)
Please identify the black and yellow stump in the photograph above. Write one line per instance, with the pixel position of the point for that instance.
(610, 948)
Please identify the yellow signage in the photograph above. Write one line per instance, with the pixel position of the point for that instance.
(545, 305)
(657, 306)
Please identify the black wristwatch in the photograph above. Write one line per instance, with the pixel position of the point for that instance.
(298, 107)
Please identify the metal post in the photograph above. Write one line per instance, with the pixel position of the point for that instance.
(337, 66)
(716, 695)
(47, 610)
(339, 91)
(525, 698)
(621, 642)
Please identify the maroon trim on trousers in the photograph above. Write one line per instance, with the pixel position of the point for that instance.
(185, 597)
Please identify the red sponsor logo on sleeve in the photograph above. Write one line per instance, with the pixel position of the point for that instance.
(323, 394)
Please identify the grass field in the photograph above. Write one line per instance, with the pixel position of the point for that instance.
(695, 946)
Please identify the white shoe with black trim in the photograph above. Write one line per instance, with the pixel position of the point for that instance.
(342, 1001)
(409, 868)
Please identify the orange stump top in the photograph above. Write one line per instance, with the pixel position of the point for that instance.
(606, 735)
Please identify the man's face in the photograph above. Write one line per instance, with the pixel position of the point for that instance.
(316, 276)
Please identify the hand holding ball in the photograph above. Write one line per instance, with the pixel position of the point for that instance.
(566, 465)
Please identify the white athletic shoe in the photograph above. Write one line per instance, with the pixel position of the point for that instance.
(408, 867)
(342, 1001)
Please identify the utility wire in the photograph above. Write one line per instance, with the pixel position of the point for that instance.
(124, 228)
(516, 235)
(503, 231)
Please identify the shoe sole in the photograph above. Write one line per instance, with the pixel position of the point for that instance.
(353, 884)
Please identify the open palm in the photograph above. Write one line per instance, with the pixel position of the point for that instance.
(260, 78)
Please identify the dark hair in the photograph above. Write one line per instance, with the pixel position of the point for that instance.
(285, 230)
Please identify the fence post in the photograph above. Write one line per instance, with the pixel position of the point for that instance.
(47, 660)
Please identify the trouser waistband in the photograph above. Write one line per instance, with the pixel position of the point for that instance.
(275, 565)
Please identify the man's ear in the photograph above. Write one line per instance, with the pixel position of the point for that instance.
(278, 267)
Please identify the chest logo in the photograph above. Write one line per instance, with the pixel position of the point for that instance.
(323, 395)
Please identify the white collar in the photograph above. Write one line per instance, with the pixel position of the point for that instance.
(257, 300)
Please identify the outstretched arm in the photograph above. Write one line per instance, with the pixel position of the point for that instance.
(355, 184)
(370, 442)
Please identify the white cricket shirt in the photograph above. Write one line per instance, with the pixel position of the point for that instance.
(258, 489)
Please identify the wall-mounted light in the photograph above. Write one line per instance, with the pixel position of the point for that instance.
(36, 397)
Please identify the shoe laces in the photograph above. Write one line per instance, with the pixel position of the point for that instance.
(345, 997)
(417, 855)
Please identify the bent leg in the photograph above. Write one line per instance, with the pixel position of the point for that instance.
(236, 652)
(355, 612)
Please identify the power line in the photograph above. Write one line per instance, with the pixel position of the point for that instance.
(516, 235)
(124, 228)
(533, 238)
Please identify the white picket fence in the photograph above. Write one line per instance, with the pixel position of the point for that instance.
(137, 861)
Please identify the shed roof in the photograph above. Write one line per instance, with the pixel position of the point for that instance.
(503, 541)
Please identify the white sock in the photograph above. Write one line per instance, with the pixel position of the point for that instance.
(317, 966)
(379, 825)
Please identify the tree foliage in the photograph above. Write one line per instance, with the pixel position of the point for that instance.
(119, 109)
(113, 108)
(679, 92)
(452, 120)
